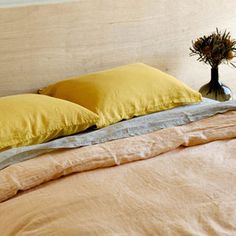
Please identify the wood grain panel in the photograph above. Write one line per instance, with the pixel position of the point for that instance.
(46, 43)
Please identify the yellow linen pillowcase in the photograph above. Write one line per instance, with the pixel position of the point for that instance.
(124, 92)
(32, 119)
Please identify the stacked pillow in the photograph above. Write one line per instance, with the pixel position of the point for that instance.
(31, 119)
(100, 99)
(124, 92)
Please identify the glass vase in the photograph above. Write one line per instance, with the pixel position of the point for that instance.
(215, 89)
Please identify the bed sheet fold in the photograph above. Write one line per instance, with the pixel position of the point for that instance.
(33, 172)
(129, 128)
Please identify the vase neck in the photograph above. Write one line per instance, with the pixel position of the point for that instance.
(214, 75)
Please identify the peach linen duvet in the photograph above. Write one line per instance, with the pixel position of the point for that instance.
(183, 184)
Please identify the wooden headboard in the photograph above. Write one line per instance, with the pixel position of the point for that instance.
(46, 43)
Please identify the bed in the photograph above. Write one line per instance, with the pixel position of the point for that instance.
(169, 172)
(177, 180)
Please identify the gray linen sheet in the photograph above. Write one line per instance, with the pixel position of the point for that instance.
(136, 126)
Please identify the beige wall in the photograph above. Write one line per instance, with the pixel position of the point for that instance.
(41, 44)
(191, 19)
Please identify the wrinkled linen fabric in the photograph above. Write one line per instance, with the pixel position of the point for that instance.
(137, 126)
(184, 184)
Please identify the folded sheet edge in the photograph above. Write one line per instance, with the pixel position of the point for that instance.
(33, 172)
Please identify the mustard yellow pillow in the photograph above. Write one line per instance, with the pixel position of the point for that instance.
(31, 119)
(124, 92)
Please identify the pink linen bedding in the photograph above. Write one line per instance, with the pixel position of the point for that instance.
(184, 185)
